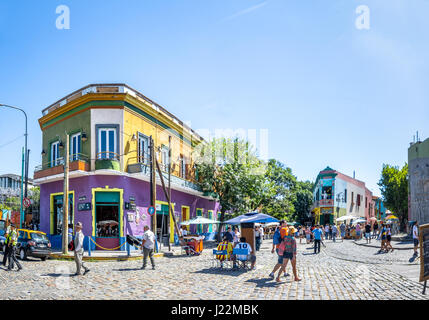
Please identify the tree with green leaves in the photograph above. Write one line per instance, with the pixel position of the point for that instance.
(277, 197)
(394, 190)
(230, 169)
(303, 200)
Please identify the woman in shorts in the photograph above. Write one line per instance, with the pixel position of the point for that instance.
(307, 234)
(288, 246)
(383, 235)
(389, 238)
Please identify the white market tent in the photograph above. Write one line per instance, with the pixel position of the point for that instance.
(199, 220)
(344, 218)
(359, 221)
(272, 224)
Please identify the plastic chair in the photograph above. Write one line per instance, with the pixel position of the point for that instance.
(221, 258)
(244, 262)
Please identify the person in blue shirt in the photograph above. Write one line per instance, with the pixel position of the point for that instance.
(318, 237)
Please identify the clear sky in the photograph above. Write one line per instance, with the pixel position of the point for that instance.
(327, 92)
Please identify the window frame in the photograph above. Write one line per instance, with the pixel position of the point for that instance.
(75, 156)
(143, 138)
(106, 153)
(55, 162)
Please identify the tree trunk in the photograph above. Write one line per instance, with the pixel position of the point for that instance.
(222, 218)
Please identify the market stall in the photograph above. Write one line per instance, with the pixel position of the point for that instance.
(196, 241)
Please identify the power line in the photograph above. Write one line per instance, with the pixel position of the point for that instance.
(7, 143)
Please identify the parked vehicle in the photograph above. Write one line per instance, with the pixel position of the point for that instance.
(2, 232)
(33, 244)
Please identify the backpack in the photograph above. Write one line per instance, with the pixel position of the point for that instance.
(277, 238)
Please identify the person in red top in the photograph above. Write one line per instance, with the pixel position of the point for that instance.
(278, 237)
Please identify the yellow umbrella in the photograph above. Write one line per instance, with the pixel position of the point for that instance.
(391, 216)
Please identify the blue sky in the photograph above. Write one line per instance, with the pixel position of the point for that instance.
(328, 93)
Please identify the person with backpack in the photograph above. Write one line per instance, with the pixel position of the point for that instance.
(280, 233)
(287, 249)
(383, 235)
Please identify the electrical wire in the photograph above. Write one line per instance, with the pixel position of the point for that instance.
(8, 143)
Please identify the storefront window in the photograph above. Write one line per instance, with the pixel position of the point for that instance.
(107, 214)
(59, 214)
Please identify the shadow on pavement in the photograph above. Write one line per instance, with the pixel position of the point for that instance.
(224, 271)
(56, 275)
(132, 269)
(265, 283)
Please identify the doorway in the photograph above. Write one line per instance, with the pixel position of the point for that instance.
(107, 222)
(162, 224)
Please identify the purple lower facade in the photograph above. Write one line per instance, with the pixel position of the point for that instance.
(131, 219)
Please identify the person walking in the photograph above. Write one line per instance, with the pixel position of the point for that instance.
(389, 238)
(334, 233)
(330, 232)
(343, 231)
(148, 245)
(288, 250)
(318, 237)
(79, 250)
(307, 234)
(12, 242)
(236, 237)
(375, 230)
(257, 238)
(280, 233)
(368, 232)
(6, 246)
(326, 231)
(383, 233)
(416, 237)
(301, 233)
(358, 231)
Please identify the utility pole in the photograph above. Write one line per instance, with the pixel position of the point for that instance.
(153, 185)
(170, 209)
(66, 197)
(168, 200)
(22, 192)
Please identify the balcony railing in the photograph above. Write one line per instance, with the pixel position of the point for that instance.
(77, 161)
(177, 181)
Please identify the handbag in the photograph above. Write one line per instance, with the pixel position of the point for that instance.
(282, 248)
(71, 245)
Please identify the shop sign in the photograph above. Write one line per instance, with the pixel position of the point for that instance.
(132, 198)
(84, 206)
(82, 198)
(130, 206)
(326, 210)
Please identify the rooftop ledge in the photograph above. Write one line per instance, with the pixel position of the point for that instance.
(114, 88)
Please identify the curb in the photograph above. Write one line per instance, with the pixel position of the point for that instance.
(378, 247)
(95, 259)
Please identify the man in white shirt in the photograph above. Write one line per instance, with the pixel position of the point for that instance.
(79, 250)
(243, 245)
(147, 247)
(416, 237)
(184, 231)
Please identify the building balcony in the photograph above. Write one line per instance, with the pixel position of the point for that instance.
(107, 160)
(143, 168)
(77, 162)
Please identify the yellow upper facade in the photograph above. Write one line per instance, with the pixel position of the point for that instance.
(113, 122)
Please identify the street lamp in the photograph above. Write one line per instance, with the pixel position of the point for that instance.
(26, 150)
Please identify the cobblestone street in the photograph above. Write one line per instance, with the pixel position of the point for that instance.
(336, 273)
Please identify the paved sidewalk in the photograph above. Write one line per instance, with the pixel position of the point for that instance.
(397, 245)
(325, 276)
